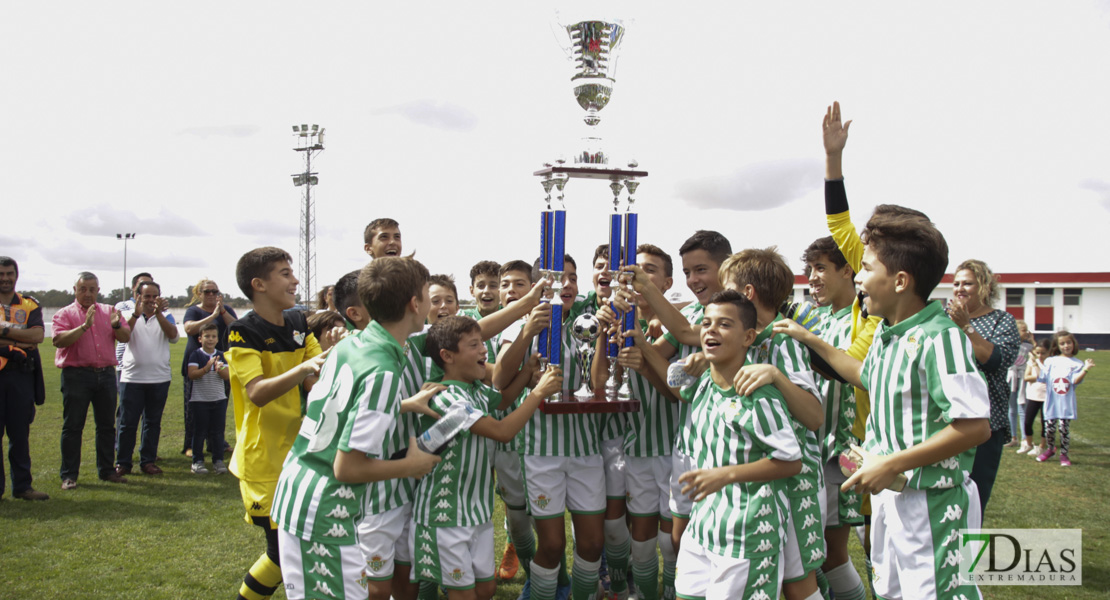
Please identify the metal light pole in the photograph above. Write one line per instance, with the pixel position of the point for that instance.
(124, 237)
(311, 142)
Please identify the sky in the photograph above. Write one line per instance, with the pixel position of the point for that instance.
(172, 121)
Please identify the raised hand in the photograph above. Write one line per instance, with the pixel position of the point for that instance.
(835, 133)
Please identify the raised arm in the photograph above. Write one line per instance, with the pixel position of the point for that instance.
(668, 315)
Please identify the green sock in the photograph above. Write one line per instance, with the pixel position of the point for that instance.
(544, 581)
(428, 591)
(564, 580)
(618, 545)
(584, 578)
(645, 569)
(822, 584)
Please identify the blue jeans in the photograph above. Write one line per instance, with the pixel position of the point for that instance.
(1017, 414)
(209, 420)
(146, 401)
(81, 387)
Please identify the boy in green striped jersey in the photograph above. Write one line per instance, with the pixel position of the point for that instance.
(743, 449)
(560, 457)
(832, 287)
(702, 255)
(345, 442)
(484, 284)
(929, 409)
(382, 237)
(762, 276)
(649, 441)
(445, 297)
(347, 303)
(453, 535)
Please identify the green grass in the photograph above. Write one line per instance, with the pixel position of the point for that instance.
(181, 535)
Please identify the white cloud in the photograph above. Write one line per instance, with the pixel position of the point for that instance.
(754, 187)
(109, 220)
(1102, 188)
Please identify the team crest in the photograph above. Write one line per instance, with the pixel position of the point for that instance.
(457, 574)
(376, 563)
(298, 337)
(19, 316)
(543, 501)
(912, 346)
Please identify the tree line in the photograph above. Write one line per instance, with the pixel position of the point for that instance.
(60, 298)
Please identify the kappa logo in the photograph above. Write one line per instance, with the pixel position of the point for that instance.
(450, 454)
(427, 560)
(444, 493)
(804, 486)
(766, 563)
(424, 535)
(850, 413)
(805, 503)
(809, 521)
(457, 574)
(763, 579)
(336, 530)
(764, 511)
(234, 336)
(320, 569)
(806, 469)
(443, 504)
(816, 555)
(812, 538)
(952, 583)
(760, 595)
(943, 482)
(323, 588)
(952, 558)
(319, 550)
(339, 512)
(853, 514)
(447, 480)
(442, 518)
(950, 463)
(449, 467)
(542, 501)
(375, 563)
(256, 506)
(764, 546)
(344, 492)
(952, 512)
(764, 527)
(764, 492)
(425, 548)
(426, 573)
(270, 341)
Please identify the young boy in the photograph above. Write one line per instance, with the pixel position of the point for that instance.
(560, 458)
(382, 237)
(444, 296)
(744, 449)
(208, 402)
(347, 303)
(702, 255)
(349, 432)
(762, 276)
(453, 508)
(270, 353)
(929, 407)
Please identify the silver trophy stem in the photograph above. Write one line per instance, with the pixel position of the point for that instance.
(585, 393)
(612, 385)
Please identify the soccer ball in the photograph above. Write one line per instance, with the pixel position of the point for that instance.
(585, 328)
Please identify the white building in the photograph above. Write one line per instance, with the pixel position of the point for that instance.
(1048, 302)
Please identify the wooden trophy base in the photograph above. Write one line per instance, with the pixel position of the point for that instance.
(596, 405)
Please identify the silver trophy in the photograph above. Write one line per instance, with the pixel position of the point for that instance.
(585, 329)
(593, 49)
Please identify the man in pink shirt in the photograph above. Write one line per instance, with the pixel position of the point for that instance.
(85, 334)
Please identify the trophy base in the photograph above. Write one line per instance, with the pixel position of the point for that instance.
(597, 405)
(599, 172)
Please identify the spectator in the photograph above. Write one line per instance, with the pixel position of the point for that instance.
(208, 370)
(325, 299)
(84, 333)
(145, 379)
(206, 306)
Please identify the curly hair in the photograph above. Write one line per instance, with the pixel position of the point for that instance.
(989, 290)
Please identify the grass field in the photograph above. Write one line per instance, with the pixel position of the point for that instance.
(181, 535)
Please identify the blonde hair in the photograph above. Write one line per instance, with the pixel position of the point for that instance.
(764, 269)
(989, 290)
(198, 292)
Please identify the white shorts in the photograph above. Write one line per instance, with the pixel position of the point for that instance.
(680, 504)
(703, 574)
(453, 557)
(312, 569)
(841, 508)
(510, 482)
(911, 530)
(805, 536)
(554, 484)
(383, 539)
(649, 486)
(612, 451)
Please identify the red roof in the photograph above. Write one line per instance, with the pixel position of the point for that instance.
(1011, 278)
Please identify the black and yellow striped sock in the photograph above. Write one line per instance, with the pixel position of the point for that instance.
(261, 581)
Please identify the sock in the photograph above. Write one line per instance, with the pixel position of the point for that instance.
(584, 578)
(564, 580)
(645, 569)
(428, 591)
(870, 576)
(845, 582)
(261, 581)
(822, 584)
(544, 581)
(670, 559)
(815, 596)
(522, 537)
(617, 546)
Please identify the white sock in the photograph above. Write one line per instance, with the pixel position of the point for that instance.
(846, 583)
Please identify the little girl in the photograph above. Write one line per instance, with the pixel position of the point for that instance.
(1034, 398)
(1061, 373)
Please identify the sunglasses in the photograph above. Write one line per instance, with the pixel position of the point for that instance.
(211, 292)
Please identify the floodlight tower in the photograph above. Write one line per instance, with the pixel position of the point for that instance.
(124, 237)
(310, 142)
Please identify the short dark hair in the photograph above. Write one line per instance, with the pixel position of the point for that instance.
(601, 251)
(446, 333)
(209, 326)
(742, 304)
(321, 320)
(653, 250)
(259, 263)
(484, 267)
(387, 284)
(517, 265)
(715, 244)
(444, 281)
(346, 293)
(762, 268)
(136, 278)
(536, 266)
(383, 223)
(827, 247)
(910, 243)
(7, 261)
(139, 290)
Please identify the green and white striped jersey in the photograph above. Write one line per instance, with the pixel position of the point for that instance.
(792, 358)
(560, 435)
(694, 314)
(459, 490)
(921, 375)
(835, 435)
(743, 520)
(491, 344)
(653, 430)
(354, 407)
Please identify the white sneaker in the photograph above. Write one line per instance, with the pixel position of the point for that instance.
(198, 469)
(1025, 447)
(219, 467)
